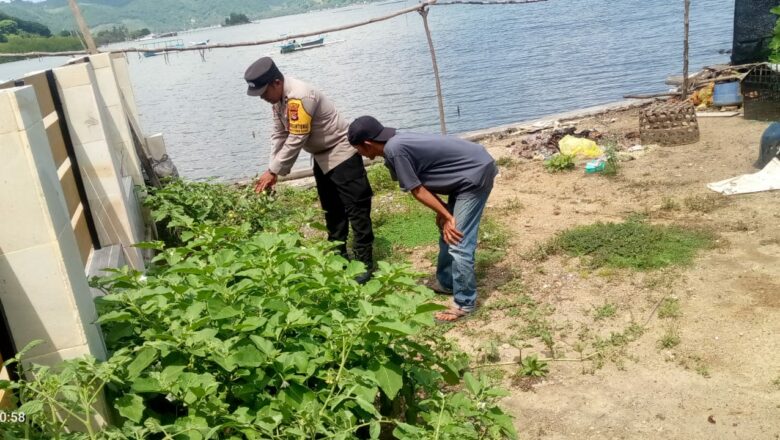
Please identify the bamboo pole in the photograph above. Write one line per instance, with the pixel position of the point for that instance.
(424, 12)
(277, 40)
(74, 7)
(685, 50)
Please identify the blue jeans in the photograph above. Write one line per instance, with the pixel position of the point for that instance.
(455, 267)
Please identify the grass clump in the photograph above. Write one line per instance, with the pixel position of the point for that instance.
(669, 308)
(670, 339)
(559, 162)
(605, 311)
(379, 177)
(632, 244)
(705, 203)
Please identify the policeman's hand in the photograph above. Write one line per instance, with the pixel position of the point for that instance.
(449, 231)
(265, 182)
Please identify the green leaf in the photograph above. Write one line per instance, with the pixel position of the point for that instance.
(224, 313)
(429, 307)
(115, 316)
(32, 407)
(374, 429)
(146, 385)
(131, 406)
(472, 384)
(395, 327)
(389, 377)
(247, 356)
(264, 344)
(143, 358)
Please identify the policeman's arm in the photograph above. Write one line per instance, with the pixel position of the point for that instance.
(267, 180)
(299, 118)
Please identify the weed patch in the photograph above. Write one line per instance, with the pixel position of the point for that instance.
(559, 162)
(605, 311)
(669, 308)
(706, 203)
(670, 339)
(631, 244)
(379, 177)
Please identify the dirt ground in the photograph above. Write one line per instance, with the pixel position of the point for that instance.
(722, 381)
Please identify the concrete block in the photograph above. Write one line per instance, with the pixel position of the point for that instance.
(26, 105)
(55, 357)
(135, 212)
(98, 169)
(72, 76)
(39, 300)
(8, 121)
(83, 114)
(22, 197)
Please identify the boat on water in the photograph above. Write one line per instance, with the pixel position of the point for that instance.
(295, 46)
(199, 43)
(158, 47)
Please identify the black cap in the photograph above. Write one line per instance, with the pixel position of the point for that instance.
(261, 73)
(367, 128)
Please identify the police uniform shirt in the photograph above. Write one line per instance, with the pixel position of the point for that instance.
(306, 119)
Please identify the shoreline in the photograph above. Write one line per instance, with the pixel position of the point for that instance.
(531, 125)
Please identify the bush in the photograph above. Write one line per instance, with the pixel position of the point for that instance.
(239, 334)
(774, 44)
(559, 162)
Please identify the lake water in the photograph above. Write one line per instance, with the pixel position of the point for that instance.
(499, 64)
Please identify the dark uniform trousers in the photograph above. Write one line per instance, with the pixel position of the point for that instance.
(345, 195)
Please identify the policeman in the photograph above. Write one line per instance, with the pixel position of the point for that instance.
(306, 119)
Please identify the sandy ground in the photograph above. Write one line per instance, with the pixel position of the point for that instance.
(723, 379)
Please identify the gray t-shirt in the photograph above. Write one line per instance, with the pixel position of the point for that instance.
(442, 164)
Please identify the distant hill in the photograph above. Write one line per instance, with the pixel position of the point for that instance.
(158, 15)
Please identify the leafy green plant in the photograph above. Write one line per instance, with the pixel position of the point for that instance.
(181, 206)
(269, 336)
(669, 308)
(774, 44)
(670, 339)
(632, 244)
(245, 329)
(607, 310)
(612, 165)
(559, 162)
(533, 367)
(379, 177)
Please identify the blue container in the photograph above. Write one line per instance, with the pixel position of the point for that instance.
(726, 93)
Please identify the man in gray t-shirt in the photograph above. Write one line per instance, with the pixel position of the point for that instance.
(429, 166)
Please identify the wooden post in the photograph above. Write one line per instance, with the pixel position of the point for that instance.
(74, 7)
(424, 12)
(685, 51)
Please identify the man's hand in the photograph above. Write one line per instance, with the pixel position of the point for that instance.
(440, 219)
(449, 231)
(265, 182)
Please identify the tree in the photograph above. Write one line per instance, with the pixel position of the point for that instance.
(8, 26)
(235, 19)
(136, 34)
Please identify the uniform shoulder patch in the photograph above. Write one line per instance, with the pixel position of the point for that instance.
(299, 120)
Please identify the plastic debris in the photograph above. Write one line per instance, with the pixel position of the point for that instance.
(575, 146)
(767, 179)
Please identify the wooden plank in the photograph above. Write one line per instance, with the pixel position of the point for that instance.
(69, 189)
(83, 239)
(41, 86)
(57, 143)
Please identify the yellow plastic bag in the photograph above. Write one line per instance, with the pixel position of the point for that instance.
(575, 146)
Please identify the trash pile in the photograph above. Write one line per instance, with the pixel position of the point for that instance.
(544, 144)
